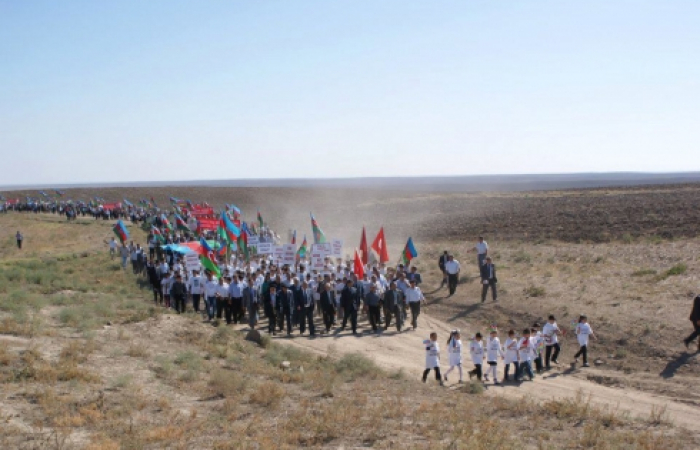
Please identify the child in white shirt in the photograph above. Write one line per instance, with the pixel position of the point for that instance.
(511, 356)
(454, 349)
(583, 331)
(476, 349)
(550, 333)
(493, 352)
(432, 358)
(525, 352)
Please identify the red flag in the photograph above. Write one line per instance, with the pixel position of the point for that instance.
(359, 269)
(379, 246)
(363, 247)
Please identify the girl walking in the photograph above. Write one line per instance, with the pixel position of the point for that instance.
(454, 349)
(511, 356)
(493, 352)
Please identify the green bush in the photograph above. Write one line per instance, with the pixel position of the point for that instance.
(356, 365)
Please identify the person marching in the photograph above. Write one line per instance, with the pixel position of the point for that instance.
(538, 344)
(511, 356)
(695, 320)
(525, 352)
(179, 294)
(550, 333)
(211, 287)
(493, 352)
(19, 238)
(393, 307)
(452, 269)
(271, 309)
(327, 303)
(251, 301)
(488, 280)
(432, 358)
(583, 331)
(476, 350)
(454, 349)
(195, 286)
(414, 298)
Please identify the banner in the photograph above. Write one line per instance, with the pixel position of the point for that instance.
(337, 246)
(264, 248)
(253, 241)
(112, 206)
(206, 212)
(325, 249)
(192, 262)
(208, 224)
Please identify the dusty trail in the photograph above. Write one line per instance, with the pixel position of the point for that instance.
(392, 351)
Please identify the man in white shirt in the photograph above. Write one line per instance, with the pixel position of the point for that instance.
(222, 299)
(195, 286)
(482, 250)
(452, 269)
(210, 289)
(414, 298)
(236, 292)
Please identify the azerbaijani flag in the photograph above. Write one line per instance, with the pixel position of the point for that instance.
(157, 234)
(243, 240)
(121, 231)
(409, 252)
(166, 222)
(319, 237)
(260, 219)
(181, 224)
(231, 229)
(301, 253)
(235, 209)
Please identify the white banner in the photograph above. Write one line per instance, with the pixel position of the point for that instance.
(192, 262)
(264, 248)
(317, 263)
(253, 241)
(325, 249)
(337, 246)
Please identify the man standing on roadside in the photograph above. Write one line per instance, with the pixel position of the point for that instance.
(488, 280)
(20, 238)
(482, 250)
(124, 253)
(441, 265)
(452, 269)
(695, 319)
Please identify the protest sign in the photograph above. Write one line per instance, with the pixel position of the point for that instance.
(325, 249)
(337, 248)
(264, 248)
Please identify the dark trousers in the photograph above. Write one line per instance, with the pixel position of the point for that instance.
(180, 304)
(288, 318)
(538, 364)
(693, 335)
(19, 244)
(374, 317)
(307, 315)
(481, 259)
(157, 292)
(195, 301)
(548, 353)
(476, 371)
(237, 309)
(452, 282)
(415, 312)
(221, 306)
(328, 319)
(485, 290)
(583, 351)
(352, 315)
(437, 374)
(516, 365)
(272, 319)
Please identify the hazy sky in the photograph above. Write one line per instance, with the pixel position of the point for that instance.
(100, 91)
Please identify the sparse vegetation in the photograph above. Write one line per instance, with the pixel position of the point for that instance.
(534, 291)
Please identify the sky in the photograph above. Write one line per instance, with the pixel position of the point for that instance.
(179, 90)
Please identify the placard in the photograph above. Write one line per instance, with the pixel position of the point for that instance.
(317, 262)
(337, 247)
(253, 241)
(325, 249)
(264, 248)
(192, 262)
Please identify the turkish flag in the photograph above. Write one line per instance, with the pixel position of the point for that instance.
(359, 268)
(363, 247)
(379, 246)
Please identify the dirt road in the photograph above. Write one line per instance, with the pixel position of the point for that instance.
(392, 351)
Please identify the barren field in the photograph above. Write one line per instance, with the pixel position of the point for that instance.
(87, 362)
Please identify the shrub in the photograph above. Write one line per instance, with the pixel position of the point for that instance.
(474, 387)
(534, 291)
(643, 272)
(268, 394)
(227, 383)
(355, 365)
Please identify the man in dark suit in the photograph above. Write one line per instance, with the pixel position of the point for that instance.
(695, 319)
(350, 301)
(414, 275)
(270, 303)
(488, 280)
(286, 301)
(441, 265)
(393, 306)
(304, 302)
(327, 303)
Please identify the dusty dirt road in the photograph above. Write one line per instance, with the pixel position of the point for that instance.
(392, 350)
